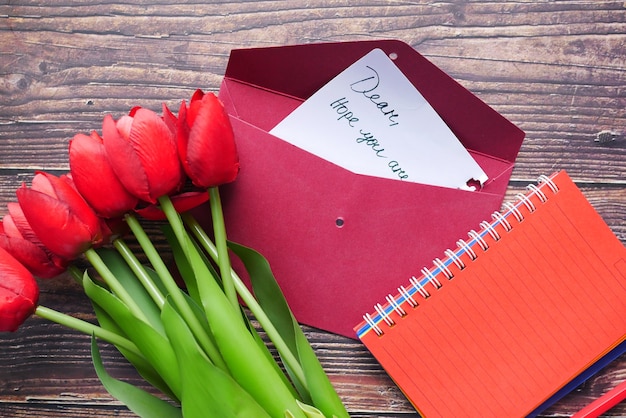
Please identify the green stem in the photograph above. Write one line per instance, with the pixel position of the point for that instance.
(76, 273)
(219, 232)
(174, 291)
(250, 301)
(87, 328)
(115, 286)
(140, 271)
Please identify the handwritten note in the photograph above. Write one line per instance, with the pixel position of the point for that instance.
(371, 120)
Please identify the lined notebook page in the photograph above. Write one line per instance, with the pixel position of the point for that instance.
(546, 299)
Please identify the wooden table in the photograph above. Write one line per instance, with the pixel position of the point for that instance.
(555, 68)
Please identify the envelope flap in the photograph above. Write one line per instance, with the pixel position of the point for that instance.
(299, 71)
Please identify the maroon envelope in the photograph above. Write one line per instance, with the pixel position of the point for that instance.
(338, 242)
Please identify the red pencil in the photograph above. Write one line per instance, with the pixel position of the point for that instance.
(603, 403)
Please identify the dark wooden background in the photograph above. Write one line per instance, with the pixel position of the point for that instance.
(555, 68)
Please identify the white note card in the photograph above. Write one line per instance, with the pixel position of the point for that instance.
(371, 120)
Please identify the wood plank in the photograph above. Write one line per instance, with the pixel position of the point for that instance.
(59, 372)
(609, 200)
(541, 77)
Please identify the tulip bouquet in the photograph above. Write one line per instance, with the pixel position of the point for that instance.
(193, 341)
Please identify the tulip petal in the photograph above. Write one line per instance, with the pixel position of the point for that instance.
(182, 134)
(66, 192)
(95, 179)
(125, 123)
(156, 147)
(58, 228)
(35, 258)
(8, 225)
(22, 243)
(18, 292)
(212, 157)
(144, 155)
(123, 159)
(169, 118)
(197, 95)
(16, 225)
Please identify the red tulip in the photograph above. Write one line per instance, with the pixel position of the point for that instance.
(206, 143)
(18, 292)
(59, 216)
(141, 149)
(95, 179)
(17, 237)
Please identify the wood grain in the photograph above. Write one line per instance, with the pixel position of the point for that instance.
(555, 68)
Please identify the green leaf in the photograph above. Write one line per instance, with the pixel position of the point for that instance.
(143, 366)
(199, 313)
(137, 400)
(184, 266)
(245, 360)
(127, 278)
(207, 391)
(269, 355)
(267, 292)
(153, 344)
(324, 396)
(272, 300)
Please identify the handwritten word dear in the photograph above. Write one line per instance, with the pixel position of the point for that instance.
(366, 87)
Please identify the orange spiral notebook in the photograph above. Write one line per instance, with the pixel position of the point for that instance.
(515, 312)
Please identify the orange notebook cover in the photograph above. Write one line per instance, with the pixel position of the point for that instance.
(517, 310)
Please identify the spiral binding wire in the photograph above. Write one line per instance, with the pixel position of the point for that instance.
(417, 286)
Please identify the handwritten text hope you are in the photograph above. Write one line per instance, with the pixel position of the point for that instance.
(366, 88)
